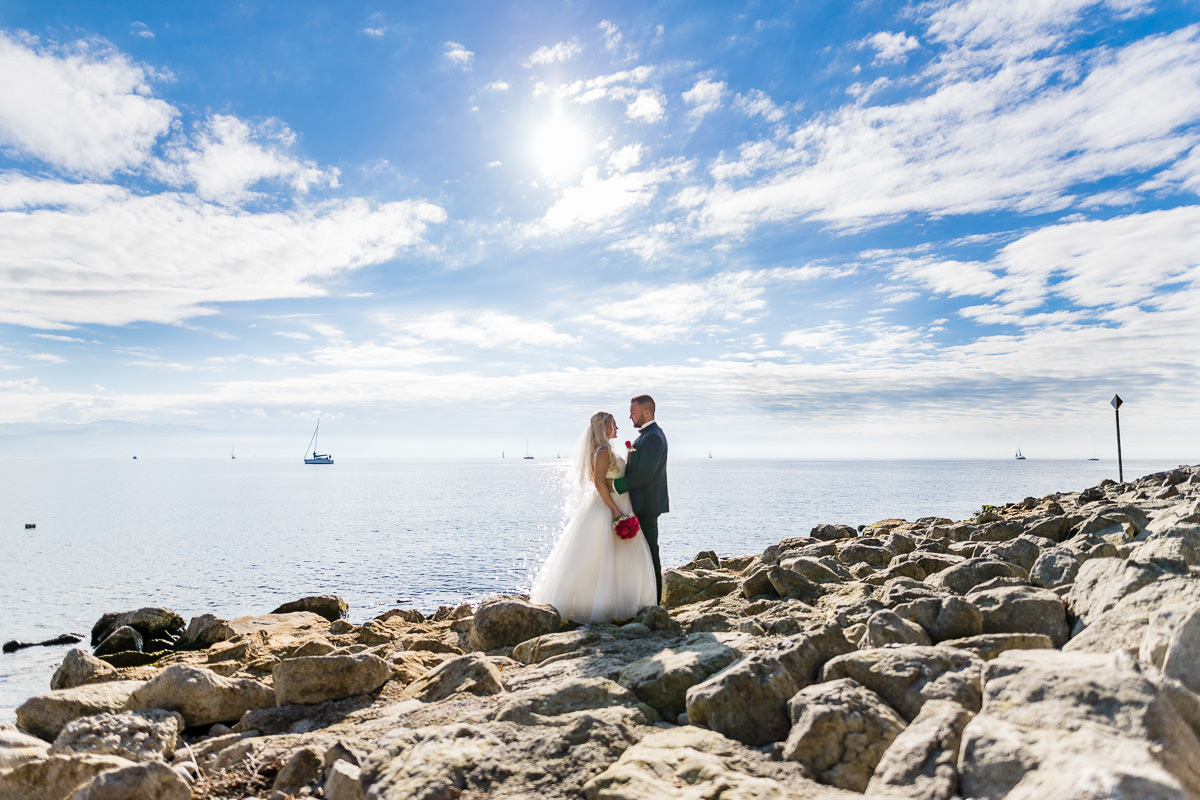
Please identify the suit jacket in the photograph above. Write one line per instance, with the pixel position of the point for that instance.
(646, 473)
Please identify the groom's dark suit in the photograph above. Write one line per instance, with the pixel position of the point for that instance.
(646, 481)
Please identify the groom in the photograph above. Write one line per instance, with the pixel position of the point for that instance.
(646, 477)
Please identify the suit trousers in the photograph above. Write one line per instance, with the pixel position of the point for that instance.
(649, 526)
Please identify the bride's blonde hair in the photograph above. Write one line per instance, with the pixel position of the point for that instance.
(599, 428)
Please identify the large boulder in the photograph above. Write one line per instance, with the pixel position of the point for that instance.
(887, 627)
(206, 630)
(317, 679)
(160, 624)
(1022, 609)
(1101, 583)
(1075, 726)
(329, 606)
(684, 586)
(122, 639)
(55, 777)
(840, 731)
(471, 673)
(1172, 643)
(906, 677)
(201, 695)
(747, 701)
(80, 667)
(943, 618)
(691, 763)
(150, 781)
(1123, 626)
(662, 680)
(922, 761)
(506, 621)
(965, 576)
(17, 747)
(568, 696)
(139, 736)
(45, 715)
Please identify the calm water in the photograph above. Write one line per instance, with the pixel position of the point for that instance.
(241, 537)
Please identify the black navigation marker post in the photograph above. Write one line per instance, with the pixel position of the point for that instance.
(1116, 404)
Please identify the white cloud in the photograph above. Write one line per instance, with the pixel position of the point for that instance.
(458, 55)
(704, 97)
(83, 108)
(48, 358)
(228, 156)
(612, 35)
(595, 202)
(952, 151)
(375, 33)
(166, 258)
(484, 329)
(757, 103)
(142, 30)
(891, 47)
(553, 54)
(619, 86)
(626, 158)
(498, 86)
(648, 106)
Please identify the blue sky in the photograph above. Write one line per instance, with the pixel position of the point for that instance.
(811, 229)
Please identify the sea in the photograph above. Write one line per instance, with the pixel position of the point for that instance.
(242, 536)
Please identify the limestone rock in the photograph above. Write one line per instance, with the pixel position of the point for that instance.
(747, 701)
(17, 747)
(681, 587)
(887, 627)
(316, 679)
(507, 621)
(1022, 609)
(329, 606)
(1101, 583)
(943, 618)
(569, 696)
(1056, 566)
(662, 680)
(908, 676)
(1123, 626)
(922, 761)
(989, 645)
(472, 673)
(787, 583)
(303, 768)
(55, 777)
(151, 781)
(532, 651)
(206, 630)
(201, 695)
(139, 736)
(1076, 725)
(80, 667)
(831, 533)
(1172, 643)
(691, 763)
(45, 715)
(840, 731)
(962, 578)
(344, 782)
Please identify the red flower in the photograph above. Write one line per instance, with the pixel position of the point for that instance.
(627, 527)
(628, 445)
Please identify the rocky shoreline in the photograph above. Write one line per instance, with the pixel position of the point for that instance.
(1046, 648)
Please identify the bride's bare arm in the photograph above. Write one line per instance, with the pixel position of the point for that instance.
(600, 479)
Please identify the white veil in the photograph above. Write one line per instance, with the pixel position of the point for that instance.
(578, 485)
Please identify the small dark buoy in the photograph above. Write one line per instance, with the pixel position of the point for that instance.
(30, 526)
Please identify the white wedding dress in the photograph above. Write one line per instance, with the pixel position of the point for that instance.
(591, 575)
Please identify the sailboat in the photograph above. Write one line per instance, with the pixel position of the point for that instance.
(527, 456)
(1019, 457)
(1094, 457)
(317, 458)
(231, 453)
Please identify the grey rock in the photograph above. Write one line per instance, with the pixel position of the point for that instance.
(817, 570)
(150, 781)
(303, 768)
(962, 578)
(1023, 609)
(758, 583)
(80, 667)
(507, 621)
(550, 645)
(55, 777)
(662, 680)
(569, 696)
(873, 556)
(922, 761)
(139, 736)
(17, 747)
(840, 732)
(329, 606)
(1172, 643)
(887, 627)
(317, 679)
(45, 715)
(151, 623)
(471, 673)
(1101, 583)
(1056, 566)
(906, 677)
(747, 701)
(792, 584)
(831, 533)
(1022, 551)
(989, 645)
(344, 782)
(206, 630)
(1123, 626)
(201, 695)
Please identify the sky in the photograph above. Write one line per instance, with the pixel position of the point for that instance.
(939, 229)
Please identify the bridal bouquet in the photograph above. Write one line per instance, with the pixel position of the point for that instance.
(626, 527)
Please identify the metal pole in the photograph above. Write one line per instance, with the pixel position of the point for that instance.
(1116, 404)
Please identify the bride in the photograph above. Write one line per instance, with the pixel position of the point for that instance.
(592, 575)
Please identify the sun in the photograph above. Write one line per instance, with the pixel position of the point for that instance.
(559, 147)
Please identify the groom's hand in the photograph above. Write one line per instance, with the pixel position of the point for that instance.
(621, 485)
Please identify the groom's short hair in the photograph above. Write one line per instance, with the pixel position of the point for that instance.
(644, 400)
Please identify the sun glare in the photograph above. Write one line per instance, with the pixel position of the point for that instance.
(559, 148)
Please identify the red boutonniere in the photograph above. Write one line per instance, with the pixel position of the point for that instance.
(626, 527)
(629, 446)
